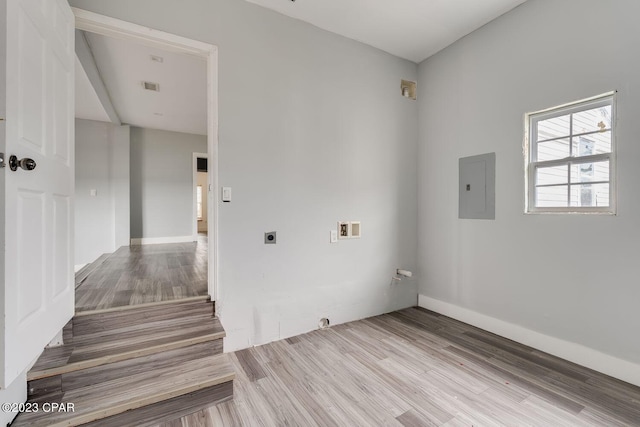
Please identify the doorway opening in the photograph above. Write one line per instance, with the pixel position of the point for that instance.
(152, 231)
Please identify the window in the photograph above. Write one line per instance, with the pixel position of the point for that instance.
(199, 202)
(570, 157)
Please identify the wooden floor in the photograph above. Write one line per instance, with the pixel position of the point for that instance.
(414, 368)
(146, 273)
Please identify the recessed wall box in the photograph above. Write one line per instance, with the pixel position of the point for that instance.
(344, 231)
(270, 238)
(355, 229)
(408, 89)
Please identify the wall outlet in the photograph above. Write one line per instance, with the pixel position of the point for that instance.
(333, 236)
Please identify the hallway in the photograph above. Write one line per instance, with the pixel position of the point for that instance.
(144, 274)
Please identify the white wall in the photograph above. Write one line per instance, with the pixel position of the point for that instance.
(102, 164)
(162, 182)
(569, 277)
(313, 130)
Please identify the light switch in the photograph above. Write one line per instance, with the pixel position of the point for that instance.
(93, 192)
(333, 236)
(226, 194)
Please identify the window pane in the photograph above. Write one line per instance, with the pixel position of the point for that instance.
(553, 150)
(592, 120)
(596, 143)
(587, 172)
(553, 128)
(551, 197)
(552, 175)
(590, 195)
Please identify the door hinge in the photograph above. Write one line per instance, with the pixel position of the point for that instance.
(2, 160)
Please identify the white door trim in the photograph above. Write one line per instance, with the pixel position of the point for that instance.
(112, 27)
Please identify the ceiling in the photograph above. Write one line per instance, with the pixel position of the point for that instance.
(123, 65)
(410, 29)
(88, 105)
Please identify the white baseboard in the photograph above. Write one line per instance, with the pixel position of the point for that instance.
(576, 353)
(78, 267)
(160, 240)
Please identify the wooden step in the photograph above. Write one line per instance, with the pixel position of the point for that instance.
(147, 390)
(98, 321)
(127, 342)
(48, 388)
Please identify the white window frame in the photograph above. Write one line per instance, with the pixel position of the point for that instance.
(530, 152)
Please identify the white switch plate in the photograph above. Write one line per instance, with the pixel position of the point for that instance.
(333, 237)
(226, 194)
(93, 192)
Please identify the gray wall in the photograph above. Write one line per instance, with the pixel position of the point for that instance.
(102, 164)
(162, 182)
(313, 130)
(572, 277)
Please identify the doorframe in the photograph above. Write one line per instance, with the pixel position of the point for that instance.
(194, 219)
(112, 27)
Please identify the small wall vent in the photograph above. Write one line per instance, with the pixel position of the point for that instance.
(151, 86)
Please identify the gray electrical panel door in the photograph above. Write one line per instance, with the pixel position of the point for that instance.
(477, 187)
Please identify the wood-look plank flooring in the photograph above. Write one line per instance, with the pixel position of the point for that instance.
(414, 368)
(148, 385)
(108, 337)
(144, 274)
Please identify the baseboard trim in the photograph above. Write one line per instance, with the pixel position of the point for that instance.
(160, 240)
(79, 267)
(576, 353)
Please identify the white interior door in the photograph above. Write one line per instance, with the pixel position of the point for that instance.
(36, 273)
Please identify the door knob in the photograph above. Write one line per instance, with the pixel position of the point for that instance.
(26, 163)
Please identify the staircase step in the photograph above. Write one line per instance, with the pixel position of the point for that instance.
(147, 389)
(128, 342)
(135, 309)
(44, 389)
(111, 325)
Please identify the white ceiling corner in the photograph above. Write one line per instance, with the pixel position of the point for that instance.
(409, 29)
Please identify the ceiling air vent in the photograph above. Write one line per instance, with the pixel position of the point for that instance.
(151, 86)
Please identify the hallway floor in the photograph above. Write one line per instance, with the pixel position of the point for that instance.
(146, 273)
